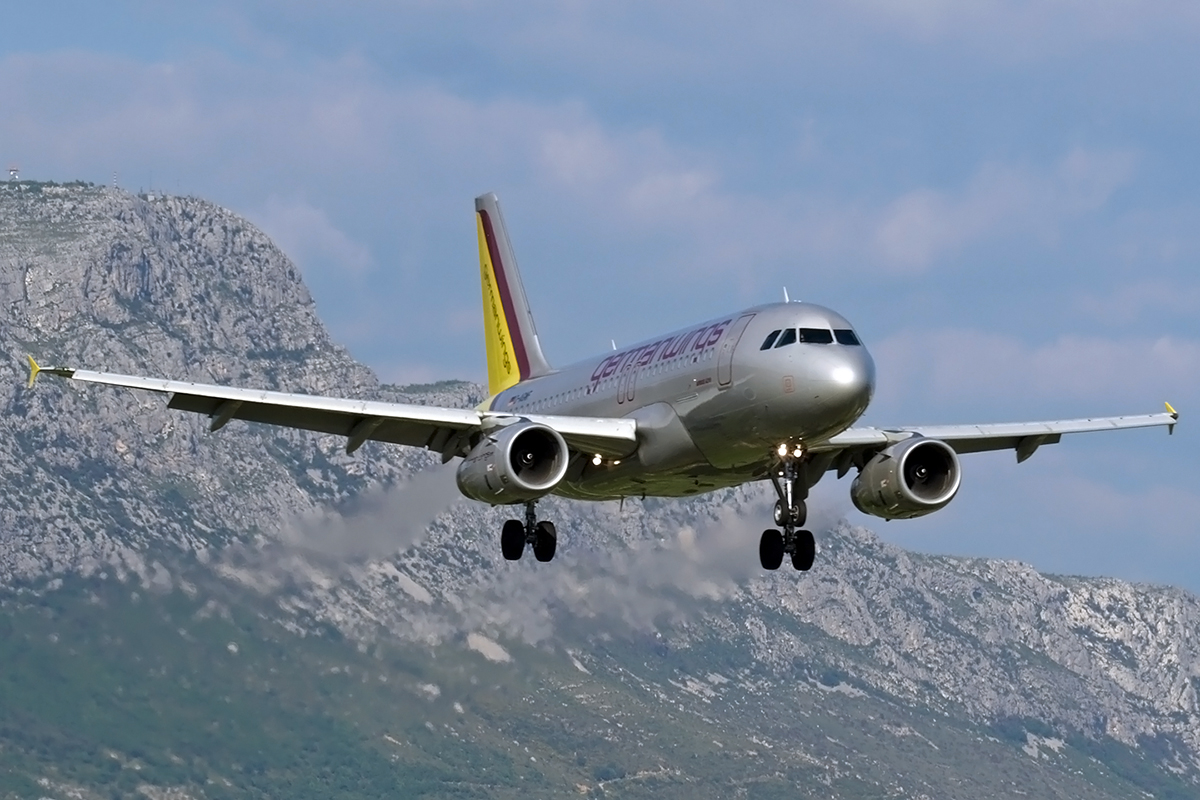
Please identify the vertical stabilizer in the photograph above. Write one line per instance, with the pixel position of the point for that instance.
(513, 351)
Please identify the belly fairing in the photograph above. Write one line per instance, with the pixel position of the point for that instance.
(681, 482)
(667, 462)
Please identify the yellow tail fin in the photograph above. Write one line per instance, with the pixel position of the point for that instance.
(513, 351)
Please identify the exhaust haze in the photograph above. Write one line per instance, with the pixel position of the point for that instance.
(377, 524)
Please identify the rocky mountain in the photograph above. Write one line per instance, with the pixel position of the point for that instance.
(254, 613)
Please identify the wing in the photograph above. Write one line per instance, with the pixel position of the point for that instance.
(853, 446)
(449, 431)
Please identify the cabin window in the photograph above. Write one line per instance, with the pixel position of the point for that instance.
(788, 337)
(816, 336)
(846, 337)
(770, 340)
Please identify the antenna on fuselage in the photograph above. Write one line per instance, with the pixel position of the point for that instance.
(614, 343)
(786, 299)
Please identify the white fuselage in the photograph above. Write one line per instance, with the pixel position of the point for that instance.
(711, 402)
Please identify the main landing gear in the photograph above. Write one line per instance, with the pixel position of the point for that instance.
(516, 534)
(790, 514)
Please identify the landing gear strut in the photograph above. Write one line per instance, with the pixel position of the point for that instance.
(791, 512)
(516, 534)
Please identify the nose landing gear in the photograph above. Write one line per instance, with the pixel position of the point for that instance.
(516, 534)
(791, 512)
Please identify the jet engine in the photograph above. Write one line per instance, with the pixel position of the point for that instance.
(517, 463)
(910, 479)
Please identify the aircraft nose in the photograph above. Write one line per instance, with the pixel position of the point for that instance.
(851, 379)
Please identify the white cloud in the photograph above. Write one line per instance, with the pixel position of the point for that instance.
(1132, 302)
(926, 224)
(628, 45)
(1163, 513)
(1023, 30)
(638, 180)
(337, 124)
(637, 176)
(204, 115)
(306, 234)
(582, 158)
(943, 369)
(395, 157)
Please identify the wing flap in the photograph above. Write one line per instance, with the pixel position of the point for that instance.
(414, 433)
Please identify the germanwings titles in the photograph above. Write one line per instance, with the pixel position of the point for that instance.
(768, 393)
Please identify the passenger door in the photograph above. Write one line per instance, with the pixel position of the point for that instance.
(627, 385)
(728, 345)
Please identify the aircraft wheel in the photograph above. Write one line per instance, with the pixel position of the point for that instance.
(545, 541)
(798, 516)
(770, 549)
(805, 552)
(512, 540)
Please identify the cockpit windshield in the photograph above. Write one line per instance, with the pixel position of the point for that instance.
(816, 336)
(786, 336)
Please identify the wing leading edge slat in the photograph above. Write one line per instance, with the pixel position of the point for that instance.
(444, 430)
(1024, 437)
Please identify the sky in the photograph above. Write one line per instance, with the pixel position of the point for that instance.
(1001, 196)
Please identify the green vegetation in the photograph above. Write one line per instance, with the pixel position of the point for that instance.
(1139, 768)
(37, 187)
(426, 388)
(110, 688)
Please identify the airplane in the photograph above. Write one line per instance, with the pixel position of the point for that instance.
(766, 393)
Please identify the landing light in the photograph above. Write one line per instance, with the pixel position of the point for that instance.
(783, 448)
(799, 451)
(596, 459)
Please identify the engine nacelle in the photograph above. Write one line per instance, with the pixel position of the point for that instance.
(909, 479)
(517, 463)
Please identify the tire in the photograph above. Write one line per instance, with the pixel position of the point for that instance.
(512, 540)
(770, 549)
(799, 514)
(545, 541)
(805, 552)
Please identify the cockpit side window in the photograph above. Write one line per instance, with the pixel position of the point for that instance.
(846, 337)
(788, 337)
(816, 336)
(770, 340)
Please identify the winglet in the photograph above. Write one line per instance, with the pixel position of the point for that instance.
(34, 369)
(1174, 415)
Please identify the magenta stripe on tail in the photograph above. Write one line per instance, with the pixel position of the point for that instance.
(510, 316)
